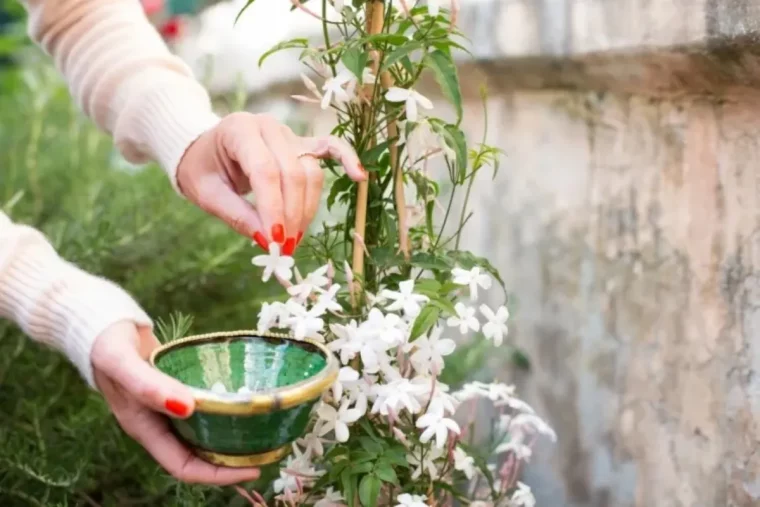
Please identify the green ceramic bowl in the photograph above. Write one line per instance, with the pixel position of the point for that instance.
(254, 393)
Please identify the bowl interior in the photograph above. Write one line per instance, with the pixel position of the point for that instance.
(242, 364)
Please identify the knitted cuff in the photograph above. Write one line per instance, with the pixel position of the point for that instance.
(58, 304)
(163, 118)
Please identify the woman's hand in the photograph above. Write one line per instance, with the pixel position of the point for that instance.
(138, 394)
(247, 152)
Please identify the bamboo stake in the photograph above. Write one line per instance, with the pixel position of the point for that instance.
(375, 17)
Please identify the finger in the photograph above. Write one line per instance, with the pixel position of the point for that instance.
(315, 178)
(223, 202)
(154, 435)
(263, 171)
(283, 146)
(337, 149)
(147, 385)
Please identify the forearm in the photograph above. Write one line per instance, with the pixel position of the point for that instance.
(123, 76)
(53, 301)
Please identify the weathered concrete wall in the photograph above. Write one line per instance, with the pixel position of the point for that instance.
(627, 220)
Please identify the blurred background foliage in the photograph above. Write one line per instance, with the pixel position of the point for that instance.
(59, 444)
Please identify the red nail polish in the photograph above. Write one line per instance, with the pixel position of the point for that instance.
(176, 407)
(261, 241)
(278, 233)
(289, 247)
(299, 238)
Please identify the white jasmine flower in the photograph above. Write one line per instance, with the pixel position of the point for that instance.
(334, 88)
(464, 463)
(332, 498)
(270, 314)
(297, 466)
(338, 420)
(312, 443)
(273, 262)
(436, 425)
(304, 323)
(523, 497)
(496, 327)
(522, 452)
(244, 390)
(395, 396)
(339, 5)
(426, 465)
(474, 278)
(386, 327)
(326, 299)
(428, 357)
(531, 423)
(405, 299)
(514, 404)
(407, 500)
(313, 281)
(412, 99)
(218, 388)
(494, 391)
(346, 375)
(464, 319)
(311, 86)
(424, 144)
(347, 342)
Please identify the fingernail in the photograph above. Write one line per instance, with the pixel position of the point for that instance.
(299, 237)
(176, 407)
(289, 247)
(363, 169)
(261, 241)
(278, 233)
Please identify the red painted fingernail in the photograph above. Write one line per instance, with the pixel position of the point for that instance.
(299, 237)
(289, 247)
(176, 407)
(261, 241)
(278, 233)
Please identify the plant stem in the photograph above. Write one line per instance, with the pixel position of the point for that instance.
(398, 176)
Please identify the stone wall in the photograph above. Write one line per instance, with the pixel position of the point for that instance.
(626, 220)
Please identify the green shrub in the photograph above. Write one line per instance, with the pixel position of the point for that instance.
(58, 443)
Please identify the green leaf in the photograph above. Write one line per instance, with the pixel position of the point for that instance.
(456, 140)
(247, 4)
(445, 73)
(425, 320)
(288, 44)
(342, 184)
(386, 473)
(395, 56)
(361, 468)
(349, 482)
(432, 262)
(427, 287)
(369, 490)
(372, 156)
(444, 304)
(370, 445)
(396, 456)
(355, 60)
(388, 38)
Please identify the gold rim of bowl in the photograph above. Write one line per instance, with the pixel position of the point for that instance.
(281, 398)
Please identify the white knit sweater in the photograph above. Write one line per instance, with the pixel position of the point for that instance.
(125, 79)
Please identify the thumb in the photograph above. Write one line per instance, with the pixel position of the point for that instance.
(224, 203)
(143, 382)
